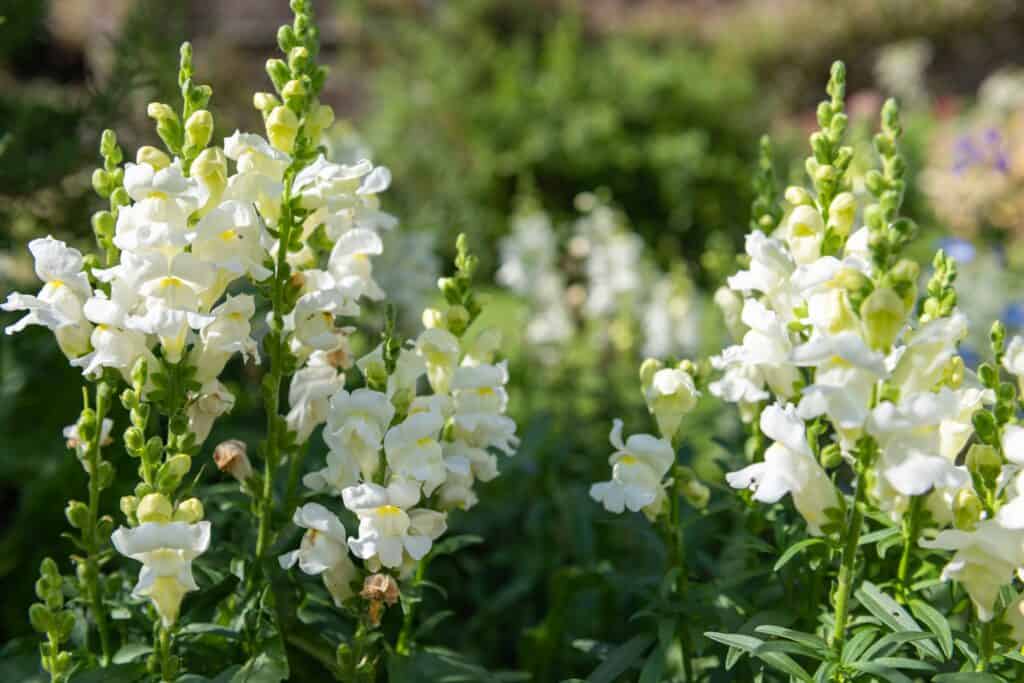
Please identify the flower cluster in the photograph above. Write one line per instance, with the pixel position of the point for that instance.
(400, 460)
(612, 282)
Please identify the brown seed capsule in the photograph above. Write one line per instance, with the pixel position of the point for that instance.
(231, 457)
(380, 588)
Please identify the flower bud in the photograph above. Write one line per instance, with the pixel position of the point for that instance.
(282, 127)
(154, 508)
(831, 456)
(984, 461)
(139, 372)
(159, 111)
(696, 494)
(190, 511)
(457, 319)
(841, 213)
(798, 196)
(647, 370)
(133, 440)
(77, 514)
(105, 474)
(293, 90)
(319, 118)
(298, 59)
(179, 464)
(967, 509)
(129, 505)
(432, 318)
(199, 129)
(211, 169)
(265, 102)
(153, 157)
(883, 315)
(231, 457)
(278, 72)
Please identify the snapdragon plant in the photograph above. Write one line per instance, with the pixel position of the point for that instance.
(198, 239)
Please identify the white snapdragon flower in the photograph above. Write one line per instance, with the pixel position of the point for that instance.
(260, 172)
(356, 424)
(439, 349)
(409, 367)
(639, 465)
(323, 551)
(310, 392)
(842, 391)
(1013, 358)
(804, 232)
(227, 333)
(908, 434)
(179, 281)
(986, 559)
(313, 318)
(172, 326)
(166, 551)
(115, 348)
(210, 402)
(232, 238)
(59, 305)
(414, 452)
(390, 529)
(479, 402)
(670, 395)
(771, 267)
(789, 467)
(766, 349)
(349, 262)
(922, 363)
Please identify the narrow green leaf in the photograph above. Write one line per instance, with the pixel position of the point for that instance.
(621, 659)
(795, 549)
(892, 614)
(809, 639)
(936, 623)
(967, 677)
(883, 672)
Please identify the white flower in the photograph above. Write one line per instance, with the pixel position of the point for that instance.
(1013, 358)
(314, 317)
(638, 466)
(171, 325)
(804, 231)
(986, 559)
(908, 434)
(227, 333)
(413, 451)
(58, 306)
(349, 262)
(179, 281)
(166, 551)
(922, 364)
(439, 349)
(210, 402)
(670, 395)
(771, 267)
(480, 388)
(323, 551)
(789, 467)
(842, 391)
(356, 423)
(388, 529)
(231, 237)
(408, 369)
(115, 348)
(309, 394)
(766, 350)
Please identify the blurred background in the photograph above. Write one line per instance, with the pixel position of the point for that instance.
(600, 156)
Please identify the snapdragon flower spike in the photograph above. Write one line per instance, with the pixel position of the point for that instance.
(323, 551)
(639, 466)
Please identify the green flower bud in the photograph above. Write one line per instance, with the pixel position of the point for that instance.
(189, 511)
(798, 196)
(883, 314)
(178, 465)
(967, 509)
(265, 102)
(697, 494)
(831, 456)
(278, 72)
(40, 617)
(319, 118)
(134, 441)
(984, 461)
(154, 449)
(77, 514)
(298, 59)
(154, 508)
(105, 474)
(152, 156)
(199, 129)
(128, 505)
(457, 319)
(647, 370)
(293, 90)
(282, 126)
(105, 526)
(841, 213)
(101, 183)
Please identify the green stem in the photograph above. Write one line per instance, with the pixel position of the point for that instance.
(291, 496)
(404, 644)
(272, 400)
(677, 560)
(911, 530)
(164, 649)
(847, 566)
(92, 539)
(985, 646)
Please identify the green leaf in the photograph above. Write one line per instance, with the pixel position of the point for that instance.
(454, 544)
(795, 549)
(262, 669)
(652, 671)
(967, 677)
(890, 613)
(809, 639)
(621, 659)
(883, 672)
(752, 646)
(130, 652)
(905, 663)
(936, 623)
(119, 673)
(857, 643)
(892, 641)
(785, 664)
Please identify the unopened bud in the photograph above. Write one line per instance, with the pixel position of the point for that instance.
(293, 89)
(697, 494)
(265, 102)
(432, 318)
(282, 127)
(883, 314)
(189, 511)
(457, 319)
(77, 514)
(984, 460)
(153, 157)
(647, 370)
(967, 509)
(154, 508)
(199, 129)
(798, 196)
(841, 213)
(831, 456)
(231, 457)
(178, 465)
(128, 505)
(160, 112)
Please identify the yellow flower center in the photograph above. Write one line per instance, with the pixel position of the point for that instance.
(389, 510)
(228, 235)
(424, 441)
(171, 281)
(628, 459)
